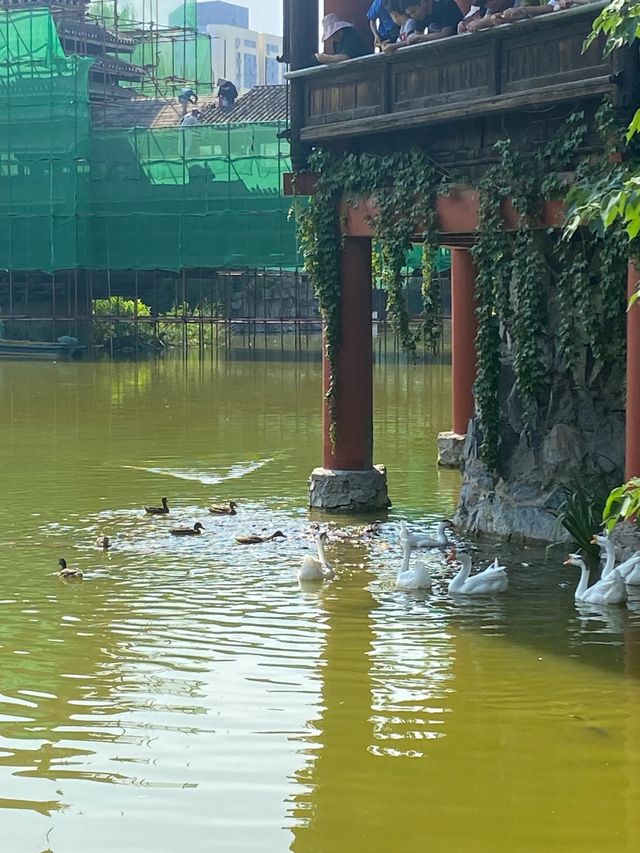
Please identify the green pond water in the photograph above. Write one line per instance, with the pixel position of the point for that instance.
(189, 696)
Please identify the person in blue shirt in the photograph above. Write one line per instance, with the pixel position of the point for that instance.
(382, 26)
(186, 97)
(435, 19)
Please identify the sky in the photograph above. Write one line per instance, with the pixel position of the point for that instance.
(264, 15)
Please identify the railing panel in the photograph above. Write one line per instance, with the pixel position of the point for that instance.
(337, 100)
(549, 57)
(421, 78)
(536, 63)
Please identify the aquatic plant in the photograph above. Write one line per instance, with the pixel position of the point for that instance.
(622, 504)
(580, 514)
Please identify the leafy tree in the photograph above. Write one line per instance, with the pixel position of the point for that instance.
(613, 194)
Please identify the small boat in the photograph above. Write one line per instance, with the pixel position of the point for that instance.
(41, 350)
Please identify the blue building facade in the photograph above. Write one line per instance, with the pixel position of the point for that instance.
(214, 12)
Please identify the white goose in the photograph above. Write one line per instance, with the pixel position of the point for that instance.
(611, 590)
(416, 578)
(316, 570)
(629, 569)
(417, 540)
(490, 580)
(607, 554)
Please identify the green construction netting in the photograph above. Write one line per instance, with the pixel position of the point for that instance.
(72, 196)
(187, 59)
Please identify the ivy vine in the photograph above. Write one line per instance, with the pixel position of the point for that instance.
(514, 266)
(403, 187)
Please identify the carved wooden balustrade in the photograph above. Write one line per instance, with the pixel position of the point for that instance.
(463, 86)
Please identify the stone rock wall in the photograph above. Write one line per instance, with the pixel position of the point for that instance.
(626, 538)
(578, 436)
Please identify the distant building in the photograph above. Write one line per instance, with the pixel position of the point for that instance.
(246, 57)
(214, 12)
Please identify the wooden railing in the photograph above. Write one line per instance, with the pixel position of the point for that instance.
(520, 66)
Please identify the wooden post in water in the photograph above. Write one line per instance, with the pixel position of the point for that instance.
(632, 438)
(464, 327)
(353, 448)
(348, 480)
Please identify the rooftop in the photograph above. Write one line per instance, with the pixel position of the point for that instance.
(261, 104)
(89, 32)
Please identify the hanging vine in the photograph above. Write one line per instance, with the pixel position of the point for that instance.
(513, 266)
(431, 297)
(402, 187)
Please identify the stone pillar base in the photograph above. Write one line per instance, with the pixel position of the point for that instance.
(349, 491)
(450, 447)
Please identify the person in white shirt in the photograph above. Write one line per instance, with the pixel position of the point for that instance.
(406, 24)
(191, 119)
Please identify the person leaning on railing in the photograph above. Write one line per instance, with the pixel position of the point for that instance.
(434, 19)
(533, 8)
(483, 17)
(341, 41)
(383, 26)
(406, 25)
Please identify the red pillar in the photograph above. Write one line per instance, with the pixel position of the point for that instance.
(353, 450)
(463, 337)
(632, 438)
(355, 12)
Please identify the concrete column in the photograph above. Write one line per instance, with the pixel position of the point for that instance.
(464, 326)
(348, 480)
(353, 449)
(632, 442)
(355, 12)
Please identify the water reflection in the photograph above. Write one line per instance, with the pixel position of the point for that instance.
(191, 685)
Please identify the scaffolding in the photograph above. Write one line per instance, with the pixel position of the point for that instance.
(81, 203)
(172, 57)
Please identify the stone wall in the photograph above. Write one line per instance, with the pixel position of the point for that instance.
(272, 295)
(578, 436)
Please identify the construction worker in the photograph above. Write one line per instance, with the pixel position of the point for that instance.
(186, 97)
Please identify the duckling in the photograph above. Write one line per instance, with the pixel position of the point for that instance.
(196, 530)
(224, 510)
(66, 573)
(256, 539)
(103, 542)
(158, 510)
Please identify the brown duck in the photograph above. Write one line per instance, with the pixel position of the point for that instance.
(256, 539)
(158, 510)
(224, 510)
(68, 574)
(196, 530)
